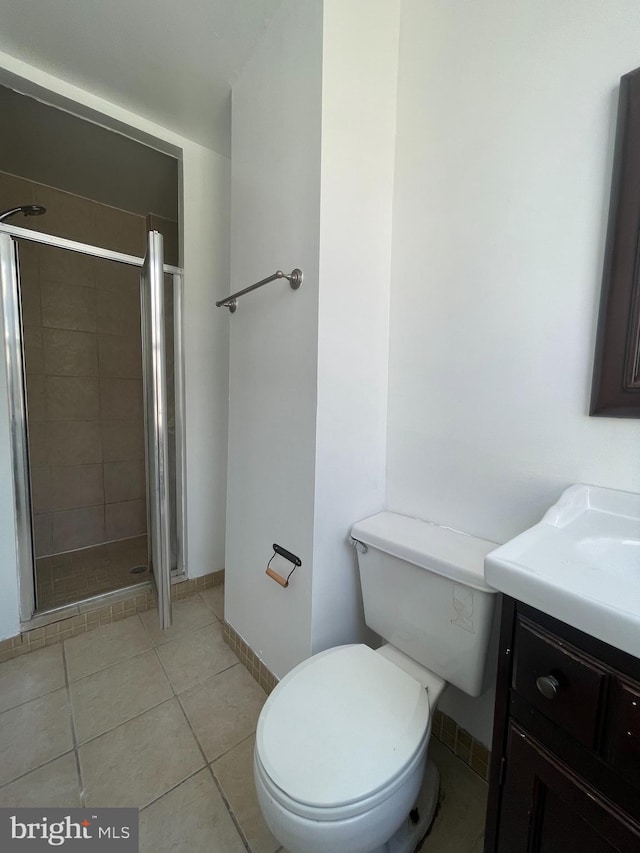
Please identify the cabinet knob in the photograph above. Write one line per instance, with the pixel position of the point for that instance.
(548, 686)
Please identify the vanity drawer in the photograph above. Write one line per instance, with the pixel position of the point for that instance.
(558, 681)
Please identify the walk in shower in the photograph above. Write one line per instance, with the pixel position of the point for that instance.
(92, 342)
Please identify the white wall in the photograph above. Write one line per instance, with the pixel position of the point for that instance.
(506, 116)
(359, 84)
(205, 176)
(313, 121)
(275, 209)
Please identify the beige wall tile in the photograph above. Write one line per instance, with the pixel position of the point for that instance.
(69, 353)
(33, 350)
(120, 357)
(38, 449)
(42, 534)
(14, 192)
(125, 519)
(28, 259)
(119, 312)
(118, 230)
(122, 440)
(30, 301)
(68, 306)
(77, 486)
(169, 230)
(78, 528)
(41, 489)
(121, 399)
(72, 443)
(67, 215)
(36, 398)
(124, 481)
(68, 267)
(72, 398)
(110, 275)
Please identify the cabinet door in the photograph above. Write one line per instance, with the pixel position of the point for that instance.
(546, 808)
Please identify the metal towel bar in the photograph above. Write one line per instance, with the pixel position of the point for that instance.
(231, 302)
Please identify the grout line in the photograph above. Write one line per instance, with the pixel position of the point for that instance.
(215, 781)
(111, 665)
(74, 734)
(39, 767)
(172, 788)
(107, 625)
(33, 699)
(206, 680)
(231, 748)
(124, 722)
(234, 820)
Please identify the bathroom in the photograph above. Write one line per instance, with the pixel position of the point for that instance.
(437, 359)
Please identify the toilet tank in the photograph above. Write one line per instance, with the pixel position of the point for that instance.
(424, 592)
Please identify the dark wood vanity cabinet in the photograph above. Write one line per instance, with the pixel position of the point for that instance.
(565, 766)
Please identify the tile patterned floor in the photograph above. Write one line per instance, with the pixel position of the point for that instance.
(66, 578)
(128, 715)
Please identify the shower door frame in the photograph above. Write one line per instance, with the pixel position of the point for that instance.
(13, 339)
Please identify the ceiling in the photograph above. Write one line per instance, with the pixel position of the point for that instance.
(171, 62)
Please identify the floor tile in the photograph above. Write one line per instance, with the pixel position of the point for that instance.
(192, 817)
(141, 759)
(30, 676)
(95, 650)
(193, 658)
(223, 710)
(459, 826)
(55, 785)
(214, 598)
(234, 772)
(33, 734)
(188, 614)
(107, 698)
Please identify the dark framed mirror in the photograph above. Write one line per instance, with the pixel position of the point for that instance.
(616, 377)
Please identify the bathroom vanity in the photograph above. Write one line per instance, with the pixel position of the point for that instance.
(565, 766)
(565, 771)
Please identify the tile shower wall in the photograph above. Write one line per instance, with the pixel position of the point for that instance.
(81, 320)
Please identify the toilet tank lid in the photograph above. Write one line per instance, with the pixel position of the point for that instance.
(450, 553)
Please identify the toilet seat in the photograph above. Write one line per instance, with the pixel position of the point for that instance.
(340, 733)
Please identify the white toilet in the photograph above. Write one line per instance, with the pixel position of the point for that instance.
(341, 743)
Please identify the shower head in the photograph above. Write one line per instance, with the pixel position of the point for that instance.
(26, 209)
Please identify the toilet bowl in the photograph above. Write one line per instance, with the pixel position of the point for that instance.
(341, 749)
(340, 761)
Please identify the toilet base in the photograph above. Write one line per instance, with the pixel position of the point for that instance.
(410, 834)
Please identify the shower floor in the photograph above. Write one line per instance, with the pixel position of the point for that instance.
(66, 578)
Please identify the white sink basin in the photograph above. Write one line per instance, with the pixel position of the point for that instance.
(581, 564)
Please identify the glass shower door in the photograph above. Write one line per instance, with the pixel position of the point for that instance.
(156, 424)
